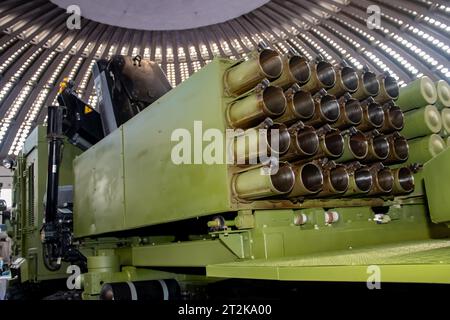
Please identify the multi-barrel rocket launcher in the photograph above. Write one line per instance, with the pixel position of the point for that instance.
(313, 155)
(333, 124)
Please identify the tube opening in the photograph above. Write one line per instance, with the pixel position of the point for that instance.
(385, 180)
(308, 141)
(326, 74)
(270, 63)
(396, 117)
(303, 104)
(381, 147)
(334, 142)
(363, 179)
(376, 114)
(391, 87)
(405, 179)
(339, 179)
(349, 79)
(284, 139)
(329, 108)
(358, 145)
(299, 68)
(312, 177)
(371, 83)
(283, 180)
(274, 100)
(354, 111)
(401, 148)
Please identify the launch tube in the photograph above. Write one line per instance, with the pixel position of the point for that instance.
(244, 76)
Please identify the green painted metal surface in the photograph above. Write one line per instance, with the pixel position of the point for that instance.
(425, 148)
(128, 181)
(437, 186)
(445, 116)
(29, 189)
(156, 189)
(99, 203)
(417, 94)
(443, 94)
(153, 188)
(422, 122)
(275, 248)
(197, 253)
(273, 234)
(417, 261)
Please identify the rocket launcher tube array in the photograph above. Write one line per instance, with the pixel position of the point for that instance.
(314, 126)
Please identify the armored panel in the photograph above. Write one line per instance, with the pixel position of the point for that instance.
(437, 186)
(99, 187)
(128, 180)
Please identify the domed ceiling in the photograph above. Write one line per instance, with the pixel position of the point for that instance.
(37, 49)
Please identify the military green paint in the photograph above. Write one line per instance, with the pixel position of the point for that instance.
(157, 190)
(355, 228)
(423, 149)
(406, 273)
(140, 186)
(421, 122)
(153, 189)
(413, 261)
(99, 203)
(443, 94)
(417, 94)
(445, 116)
(437, 186)
(28, 196)
(197, 253)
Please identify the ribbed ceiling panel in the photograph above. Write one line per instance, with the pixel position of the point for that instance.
(37, 50)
